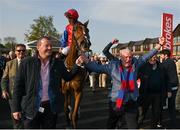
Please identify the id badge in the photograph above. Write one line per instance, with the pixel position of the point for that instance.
(41, 109)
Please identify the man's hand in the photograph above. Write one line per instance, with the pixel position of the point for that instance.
(82, 59)
(115, 41)
(60, 49)
(78, 62)
(17, 115)
(169, 94)
(161, 41)
(5, 94)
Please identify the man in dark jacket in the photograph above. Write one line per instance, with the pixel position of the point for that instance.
(171, 82)
(2, 67)
(152, 90)
(37, 88)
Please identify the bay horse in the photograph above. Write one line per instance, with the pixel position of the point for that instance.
(80, 44)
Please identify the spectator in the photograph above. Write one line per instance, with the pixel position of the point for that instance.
(93, 76)
(12, 55)
(172, 84)
(178, 92)
(8, 79)
(151, 92)
(124, 93)
(102, 76)
(37, 87)
(2, 67)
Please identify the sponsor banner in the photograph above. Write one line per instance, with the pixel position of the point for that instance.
(167, 31)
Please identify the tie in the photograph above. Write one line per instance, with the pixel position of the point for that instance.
(19, 61)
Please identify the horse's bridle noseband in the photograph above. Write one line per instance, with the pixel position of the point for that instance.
(76, 39)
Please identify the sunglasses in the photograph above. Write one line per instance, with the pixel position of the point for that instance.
(20, 50)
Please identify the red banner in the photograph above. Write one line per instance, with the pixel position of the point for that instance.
(166, 31)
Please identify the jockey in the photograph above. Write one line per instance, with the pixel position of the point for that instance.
(66, 39)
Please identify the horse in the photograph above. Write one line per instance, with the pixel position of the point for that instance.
(80, 44)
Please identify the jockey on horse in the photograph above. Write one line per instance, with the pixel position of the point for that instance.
(74, 41)
(66, 39)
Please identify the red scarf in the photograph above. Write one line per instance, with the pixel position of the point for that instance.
(127, 84)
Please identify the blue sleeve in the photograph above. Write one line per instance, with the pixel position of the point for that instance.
(64, 39)
(142, 60)
(95, 67)
(107, 53)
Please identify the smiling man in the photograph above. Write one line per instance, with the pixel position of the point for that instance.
(37, 89)
(8, 79)
(124, 93)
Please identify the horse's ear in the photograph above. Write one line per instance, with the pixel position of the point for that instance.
(86, 23)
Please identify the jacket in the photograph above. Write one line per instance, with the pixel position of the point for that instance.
(107, 53)
(145, 74)
(113, 70)
(66, 39)
(171, 76)
(8, 79)
(2, 65)
(26, 96)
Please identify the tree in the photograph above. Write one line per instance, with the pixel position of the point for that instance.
(2, 46)
(43, 26)
(10, 42)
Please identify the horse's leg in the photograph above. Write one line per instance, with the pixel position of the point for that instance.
(66, 110)
(69, 106)
(78, 96)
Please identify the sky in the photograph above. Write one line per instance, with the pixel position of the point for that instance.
(126, 20)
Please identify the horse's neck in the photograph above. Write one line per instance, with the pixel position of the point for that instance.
(71, 57)
(73, 52)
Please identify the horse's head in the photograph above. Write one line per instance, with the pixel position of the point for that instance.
(81, 37)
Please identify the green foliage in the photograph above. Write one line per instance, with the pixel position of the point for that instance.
(10, 45)
(43, 26)
(10, 42)
(2, 46)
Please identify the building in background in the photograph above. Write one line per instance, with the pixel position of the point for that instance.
(176, 34)
(143, 46)
(55, 45)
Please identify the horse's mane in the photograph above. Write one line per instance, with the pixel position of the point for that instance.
(73, 52)
(72, 56)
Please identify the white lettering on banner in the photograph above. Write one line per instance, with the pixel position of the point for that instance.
(167, 26)
(168, 32)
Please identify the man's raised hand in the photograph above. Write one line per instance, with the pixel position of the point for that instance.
(115, 41)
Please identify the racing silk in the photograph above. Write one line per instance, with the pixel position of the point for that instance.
(66, 39)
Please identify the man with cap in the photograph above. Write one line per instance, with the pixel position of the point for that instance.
(66, 39)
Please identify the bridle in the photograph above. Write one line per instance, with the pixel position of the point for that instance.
(78, 48)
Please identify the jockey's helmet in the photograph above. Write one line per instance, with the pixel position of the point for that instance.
(72, 13)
